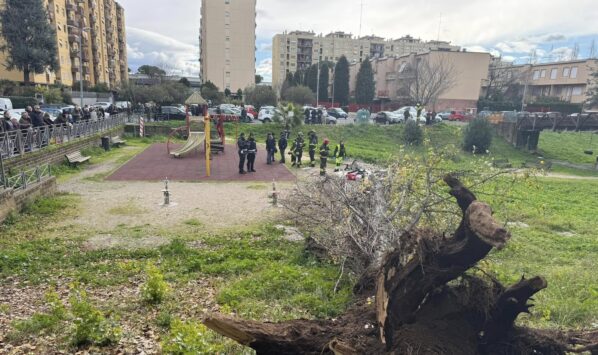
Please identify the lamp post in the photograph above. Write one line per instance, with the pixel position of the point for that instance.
(80, 35)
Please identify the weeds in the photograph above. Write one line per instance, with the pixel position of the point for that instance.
(90, 326)
(155, 289)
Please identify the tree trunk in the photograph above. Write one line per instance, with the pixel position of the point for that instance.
(26, 75)
(415, 311)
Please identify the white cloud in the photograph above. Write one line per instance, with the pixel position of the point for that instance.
(264, 69)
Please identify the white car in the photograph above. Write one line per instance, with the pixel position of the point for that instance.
(267, 114)
(104, 105)
(412, 113)
(16, 113)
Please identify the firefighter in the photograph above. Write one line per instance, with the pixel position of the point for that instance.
(242, 149)
(313, 144)
(297, 150)
(340, 153)
(251, 152)
(324, 153)
(283, 143)
(314, 116)
(306, 115)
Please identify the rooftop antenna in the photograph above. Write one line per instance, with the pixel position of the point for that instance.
(575, 53)
(360, 18)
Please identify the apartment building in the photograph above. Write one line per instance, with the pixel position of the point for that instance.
(103, 39)
(297, 50)
(392, 75)
(566, 80)
(227, 43)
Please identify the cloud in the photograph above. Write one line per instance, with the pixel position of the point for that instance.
(264, 68)
(265, 47)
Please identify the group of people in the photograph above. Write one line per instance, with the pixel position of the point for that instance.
(247, 149)
(313, 116)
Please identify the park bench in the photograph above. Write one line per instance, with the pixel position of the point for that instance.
(76, 158)
(502, 164)
(538, 164)
(117, 141)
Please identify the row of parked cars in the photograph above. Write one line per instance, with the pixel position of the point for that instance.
(398, 116)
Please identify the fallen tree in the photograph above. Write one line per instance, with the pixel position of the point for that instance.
(419, 297)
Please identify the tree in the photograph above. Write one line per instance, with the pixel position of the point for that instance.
(239, 93)
(425, 80)
(212, 93)
(289, 116)
(592, 92)
(259, 96)
(341, 81)
(227, 92)
(502, 76)
(30, 41)
(311, 77)
(301, 95)
(287, 83)
(298, 78)
(477, 136)
(185, 82)
(152, 71)
(258, 79)
(365, 86)
(324, 80)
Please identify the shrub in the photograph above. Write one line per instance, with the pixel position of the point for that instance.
(195, 338)
(155, 288)
(477, 136)
(90, 325)
(301, 95)
(413, 133)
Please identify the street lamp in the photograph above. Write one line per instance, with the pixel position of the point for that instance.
(80, 35)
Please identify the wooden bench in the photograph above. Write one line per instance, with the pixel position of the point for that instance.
(76, 158)
(117, 141)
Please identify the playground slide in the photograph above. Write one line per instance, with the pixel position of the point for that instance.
(194, 141)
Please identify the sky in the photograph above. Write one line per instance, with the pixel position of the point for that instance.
(166, 32)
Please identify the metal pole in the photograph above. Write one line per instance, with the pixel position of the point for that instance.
(318, 80)
(2, 170)
(81, 66)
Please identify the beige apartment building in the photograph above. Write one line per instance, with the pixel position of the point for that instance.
(469, 70)
(297, 50)
(104, 44)
(227, 43)
(566, 80)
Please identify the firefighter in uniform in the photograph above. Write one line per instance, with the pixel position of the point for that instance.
(324, 153)
(297, 150)
(282, 146)
(340, 153)
(242, 149)
(313, 144)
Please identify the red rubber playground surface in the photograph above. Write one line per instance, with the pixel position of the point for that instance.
(155, 164)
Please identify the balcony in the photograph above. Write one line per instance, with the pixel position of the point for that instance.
(72, 22)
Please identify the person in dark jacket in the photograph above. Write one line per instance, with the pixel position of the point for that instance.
(297, 150)
(47, 119)
(6, 125)
(319, 115)
(25, 121)
(244, 117)
(270, 148)
(251, 153)
(283, 143)
(77, 114)
(324, 153)
(37, 117)
(313, 144)
(314, 116)
(306, 115)
(242, 149)
(61, 119)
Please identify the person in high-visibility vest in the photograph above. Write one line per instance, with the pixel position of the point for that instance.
(340, 153)
(324, 153)
(313, 143)
(297, 150)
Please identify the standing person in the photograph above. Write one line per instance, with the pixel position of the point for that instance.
(25, 122)
(270, 148)
(243, 114)
(6, 125)
(340, 153)
(324, 153)
(29, 110)
(77, 114)
(297, 150)
(406, 114)
(242, 149)
(251, 152)
(47, 119)
(283, 143)
(37, 117)
(313, 144)
(306, 115)
(319, 114)
(314, 116)
(433, 118)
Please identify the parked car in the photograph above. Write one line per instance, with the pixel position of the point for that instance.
(329, 119)
(104, 105)
(457, 116)
(5, 104)
(412, 113)
(123, 105)
(266, 114)
(171, 113)
(250, 109)
(337, 113)
(388, 117)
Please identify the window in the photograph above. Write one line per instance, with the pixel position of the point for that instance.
(576, 91)
(553, 73)
(227, 1)
(543, 73)
(573, 72)
(536, 75)
(566, 71)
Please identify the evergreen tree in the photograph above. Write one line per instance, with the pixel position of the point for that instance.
(365, 87)
(287, 83)
(227, 92)
(311, 77)
(324, 80)
(298, 78)
(30, 41)
(239, 93)
(341, 81)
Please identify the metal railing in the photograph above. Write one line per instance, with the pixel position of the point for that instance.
(21, 142)
(27, 177)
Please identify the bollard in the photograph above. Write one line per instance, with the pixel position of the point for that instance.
(166, 193)
(274, 194)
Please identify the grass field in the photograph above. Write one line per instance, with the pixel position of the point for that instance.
(569, 146)
(255, 273)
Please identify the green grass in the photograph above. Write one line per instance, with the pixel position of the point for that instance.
(569, 146)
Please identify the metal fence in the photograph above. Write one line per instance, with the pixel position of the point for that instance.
(27, 177)
(21, 142)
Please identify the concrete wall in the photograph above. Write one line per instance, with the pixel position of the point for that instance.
(55, 154)
(14, 200)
